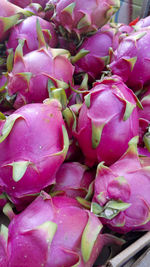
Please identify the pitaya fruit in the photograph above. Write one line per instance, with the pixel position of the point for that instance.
(9, 16)
(54, 232)
(99, 46)
(25, 3)
(121, 195)
(3, 246)
(36, 142)
(73, 179)
(108, 119)
(26, 30)
(142, 23)
(131, 60)
(35, 75)
(82, 17)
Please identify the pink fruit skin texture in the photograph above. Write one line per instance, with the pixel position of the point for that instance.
(96, 14)
(25, 3)
(98, 46)
(39, 63)
(36, 137)
(74, 179)
(107, 108)
(127, 180)
(27, 30)
(131, 60)
(33, 244)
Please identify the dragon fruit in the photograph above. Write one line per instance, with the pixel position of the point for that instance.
(54, 232)
(8, 17)
(131, 60)
(108, 119)
(25, 3)
(35, 75)
(36, 142)
(74, 179)
(3, 246)
(25, 32)
(142, 23)
(82, 17)
(121, 194)
(99, 46)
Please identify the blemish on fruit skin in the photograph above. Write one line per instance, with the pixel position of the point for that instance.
(40, 147)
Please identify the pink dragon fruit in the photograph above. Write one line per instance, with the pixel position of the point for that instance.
(131, 60)
(8, 17)
(3, 246)
(142, 23)
(26, 30)
(108, 119)
(54, 232)
(74, 179)
(25, 3)
(121, 194)
(35, 75)
(99, 46)
(82, 17)
(36, 142)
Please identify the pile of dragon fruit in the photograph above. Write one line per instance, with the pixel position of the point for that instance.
(74, 130)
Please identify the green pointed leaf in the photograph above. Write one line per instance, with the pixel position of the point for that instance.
(89, 236)
(128, 110)
(2, 116)
(86, 204)
(60, 95)
(69, 117)
(60, 52)
(90, 191)
(131, 62)
(84, 83)
(19, 51)
(50, 228)
(138, 36)
(10, 60)
(9, 22)
(4, 232)
(70, 8)
(66, 144)
(88, 100)
(96, 208)
(82, 53)
(19, 169)
(117, 205)
(9, 123)
(84, 22)
(146, 140)
(8, 211)
(96, 134)
(40, 34)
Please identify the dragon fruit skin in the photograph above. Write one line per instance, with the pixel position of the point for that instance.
(99, 46)
(73, 179)
(51, 227)
(3, 247)
(131, 60)
(142, 23)
(122, 183)
(103, 130)
(25, 3)
(27, 30)
(30, 75)
(9, 16)
(82, 17)
(37, 142)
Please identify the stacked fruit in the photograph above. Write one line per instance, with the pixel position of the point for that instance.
(74, 136)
